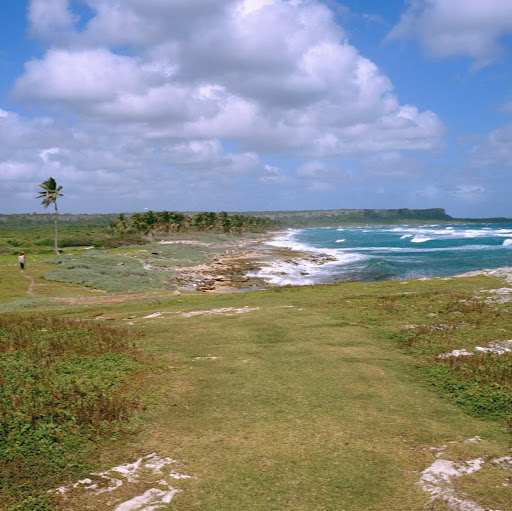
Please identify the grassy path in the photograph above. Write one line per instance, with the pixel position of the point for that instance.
(296, 400)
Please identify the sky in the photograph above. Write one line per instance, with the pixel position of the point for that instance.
(254, 105)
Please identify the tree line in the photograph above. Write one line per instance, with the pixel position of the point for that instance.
(162, 222)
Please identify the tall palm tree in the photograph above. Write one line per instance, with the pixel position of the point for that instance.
(49, 194)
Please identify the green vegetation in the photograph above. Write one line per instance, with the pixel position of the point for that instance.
(63, 389)
(34, 238)
(135, 268)
(105, 271)
(320, 397)
(33, 232)
(164, 222)
(481, 383)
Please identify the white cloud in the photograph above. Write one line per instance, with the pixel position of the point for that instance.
(471, 193)
(16, 171)
(312, 169)
(80, 77)
(272, 176)
(271, 78)
(494, 149)
(50, 19)
(446, 28)
(46, 154)
(272, 75)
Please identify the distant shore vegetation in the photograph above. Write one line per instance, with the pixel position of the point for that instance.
(165, 222)
(35, 232)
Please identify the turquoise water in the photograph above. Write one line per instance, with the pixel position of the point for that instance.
(371, 253)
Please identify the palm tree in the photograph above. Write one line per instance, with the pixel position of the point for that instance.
(49, 194)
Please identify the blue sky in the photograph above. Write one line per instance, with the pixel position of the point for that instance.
(242, 105)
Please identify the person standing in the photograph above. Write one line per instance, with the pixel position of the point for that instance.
(22, 259)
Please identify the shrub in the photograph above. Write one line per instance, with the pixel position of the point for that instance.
(121, 241)
(64, 387)
(101, 270)
(78, 241)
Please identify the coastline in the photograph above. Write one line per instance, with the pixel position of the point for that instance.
(235, 269)
(241, 267)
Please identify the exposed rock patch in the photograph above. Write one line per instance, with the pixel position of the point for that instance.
(438, 478)
(226, 311)
(151, 470)
(495, 347)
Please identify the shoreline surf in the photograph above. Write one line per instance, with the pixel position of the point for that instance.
(376, 253)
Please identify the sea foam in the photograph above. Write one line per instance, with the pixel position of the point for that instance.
(387, 252)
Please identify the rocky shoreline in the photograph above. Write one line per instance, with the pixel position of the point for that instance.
(235, 269)
(229, 271)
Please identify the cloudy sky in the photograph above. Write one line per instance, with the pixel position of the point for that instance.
(242, 105)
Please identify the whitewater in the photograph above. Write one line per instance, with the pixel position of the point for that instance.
(391, 252)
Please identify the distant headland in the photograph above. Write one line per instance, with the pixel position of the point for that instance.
(298, 218)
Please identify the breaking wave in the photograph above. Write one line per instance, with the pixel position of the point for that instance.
(372, 253)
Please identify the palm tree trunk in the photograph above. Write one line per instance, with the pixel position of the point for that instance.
(56, 215)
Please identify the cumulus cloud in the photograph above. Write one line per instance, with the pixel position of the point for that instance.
(80, 77)
(324, 176)
(493, 150)
(447, 28)
(272, 74)
(159, 88)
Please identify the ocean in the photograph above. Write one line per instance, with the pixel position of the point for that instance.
(391, 252)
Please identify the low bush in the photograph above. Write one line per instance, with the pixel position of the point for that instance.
(481, 391)
(64, 385)
(78, 241)
(101, 270)
(120, 241)
(45, 242)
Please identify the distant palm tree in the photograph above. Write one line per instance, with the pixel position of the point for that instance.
(49, 194)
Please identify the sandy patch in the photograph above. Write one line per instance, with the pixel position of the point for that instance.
(97, 300)
(184, 242)
(152, 469)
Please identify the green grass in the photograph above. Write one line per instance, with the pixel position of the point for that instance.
(481, 384)
(63, 388)
(301, 409)
(175, 254)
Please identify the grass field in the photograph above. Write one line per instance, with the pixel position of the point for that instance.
(316, 398)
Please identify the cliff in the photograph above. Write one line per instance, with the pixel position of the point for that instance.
(330, 217)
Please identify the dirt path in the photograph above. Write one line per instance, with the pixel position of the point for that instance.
(30, 290)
